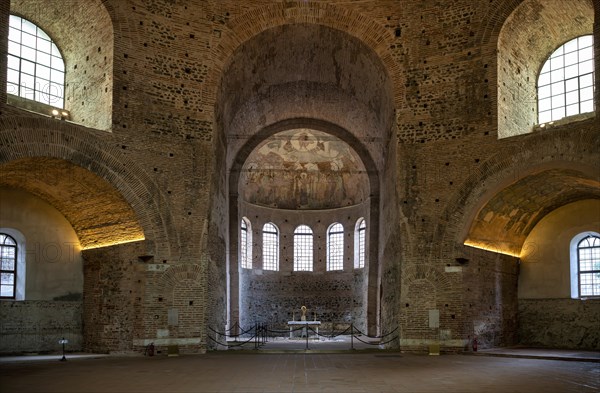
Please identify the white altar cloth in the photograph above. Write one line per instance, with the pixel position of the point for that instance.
(293, 324)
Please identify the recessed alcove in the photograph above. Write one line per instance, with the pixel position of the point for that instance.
(303, 177)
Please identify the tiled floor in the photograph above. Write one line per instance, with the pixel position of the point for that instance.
(248, 371)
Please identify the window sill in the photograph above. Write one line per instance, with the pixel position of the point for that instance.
(38, 107)
(564, 121)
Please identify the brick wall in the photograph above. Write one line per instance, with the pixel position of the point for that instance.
(434, 149)
(559, 323)
(37, 325)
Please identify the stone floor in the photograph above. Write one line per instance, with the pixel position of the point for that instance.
(258, 371)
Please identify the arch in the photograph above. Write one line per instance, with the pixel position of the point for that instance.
(265, 17)
(88, 61)
(582, 239)
(268, 102)
(565, 85)
(246, 243)
(36, 69)
(13, 264)
(513, 167)
(270, 247)
(527, 38)
(21, 260)
(360, 243)
(316, 124)
(74, 150)
(335, 247)
(303, 248)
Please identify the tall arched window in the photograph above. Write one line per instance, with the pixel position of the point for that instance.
(246, 244)
(566, 81)
(270, 247)
(335, 247)
(303, 248)
(36, 70)
(359, 243)
(8, 272)
(588, 263)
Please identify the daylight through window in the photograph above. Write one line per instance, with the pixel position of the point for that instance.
(8, 273)
(36, 70)
(566, 81)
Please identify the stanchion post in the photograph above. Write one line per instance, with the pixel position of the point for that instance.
(255, 335)
(352, 336)
(306, 328)
(63, 342)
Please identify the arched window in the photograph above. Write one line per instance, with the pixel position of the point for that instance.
(588, 266)
(270, 247)
(8, 273)
(246, 244)
(566, 82)
(36, 70)
(359, 243)
(335, 247)
(303, 249)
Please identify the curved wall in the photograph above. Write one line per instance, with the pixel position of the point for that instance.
(547, 315)
(338, 297)
(52, 308)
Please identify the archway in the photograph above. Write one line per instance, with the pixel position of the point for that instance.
(312, 77)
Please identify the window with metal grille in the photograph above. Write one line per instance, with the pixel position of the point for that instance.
(270, 247)
(36, 70)
(303, 249)
(359, 241)
(335, 247)
(246, 244)
(8, 261)
(588, 259)
(566, 81)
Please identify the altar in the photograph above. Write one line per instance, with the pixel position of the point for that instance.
(293, 324)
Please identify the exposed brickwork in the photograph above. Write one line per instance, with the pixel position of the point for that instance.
(557, 323)
(188, 89)
(37, 325)
(87, 50)
(527, 38)
(112, 297)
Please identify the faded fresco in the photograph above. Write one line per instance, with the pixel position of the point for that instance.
(304, 169)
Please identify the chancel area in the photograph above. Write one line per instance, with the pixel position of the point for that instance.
(172, 172)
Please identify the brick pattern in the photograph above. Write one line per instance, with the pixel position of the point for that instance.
(37, 325)
(436, 157)
(559, 323)
(87, 50)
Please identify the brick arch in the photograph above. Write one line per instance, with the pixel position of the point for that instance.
(495, 15)
(50, 139)
(271, 15)
(430, 274)
(520, 35)
(571, 158)
(178, 274)
(497, 12)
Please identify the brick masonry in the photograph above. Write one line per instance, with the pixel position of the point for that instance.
(558, 323)
(37, 325)
(176, 92)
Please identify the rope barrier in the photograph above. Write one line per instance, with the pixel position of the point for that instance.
(335, 335)
(378, 343)
(327, 336)
(231, 345)
(284, 331)
(382, 336)
(230, 335)
(261, 331)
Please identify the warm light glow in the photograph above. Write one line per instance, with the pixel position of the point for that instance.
(114, 243)
(487, 247)
(54, 112)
